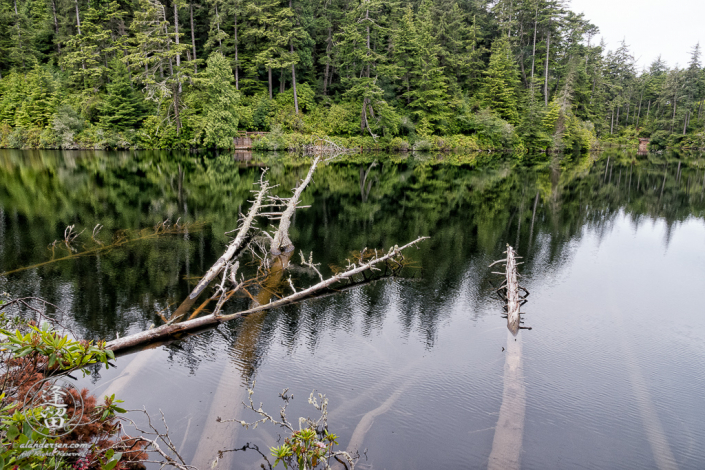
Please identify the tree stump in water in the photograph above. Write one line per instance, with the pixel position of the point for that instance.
(509, 291)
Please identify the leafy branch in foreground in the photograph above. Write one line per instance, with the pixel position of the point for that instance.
(60, 351)
(308, 447)
(31, 353)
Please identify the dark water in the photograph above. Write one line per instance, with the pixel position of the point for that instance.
(611, 375)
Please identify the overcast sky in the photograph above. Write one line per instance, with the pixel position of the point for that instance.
(651, 27)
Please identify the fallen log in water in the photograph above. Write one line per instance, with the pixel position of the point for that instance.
(509, 431)
(366, 261)
(233, 248)
(509, 291)
(393, 258)
(281, 242)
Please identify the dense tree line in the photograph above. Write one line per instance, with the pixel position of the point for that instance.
(176, 73)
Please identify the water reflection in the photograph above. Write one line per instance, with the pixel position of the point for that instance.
(389, 352)
(359, 201)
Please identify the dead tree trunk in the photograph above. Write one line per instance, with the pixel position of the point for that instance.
(235, 246)
(281, 241)
(393, 258)
(509, 291)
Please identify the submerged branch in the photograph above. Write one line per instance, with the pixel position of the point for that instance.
(121, 238)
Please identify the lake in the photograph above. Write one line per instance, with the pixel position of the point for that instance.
(420, 369)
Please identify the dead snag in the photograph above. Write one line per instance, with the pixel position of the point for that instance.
(233, 248)
(392, 259)
(281, 243)
(509, 291)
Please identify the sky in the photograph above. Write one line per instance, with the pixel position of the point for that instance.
(669, 28)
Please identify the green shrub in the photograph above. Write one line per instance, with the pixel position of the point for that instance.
(66, 124)
(17, 138)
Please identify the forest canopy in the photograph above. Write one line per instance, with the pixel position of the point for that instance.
(426, 74)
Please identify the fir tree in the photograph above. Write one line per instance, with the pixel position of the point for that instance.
(124, 107)
(39, 103)
(501, 81)
(361, 65)
(86, 54)
(216, 124)
(428, 97)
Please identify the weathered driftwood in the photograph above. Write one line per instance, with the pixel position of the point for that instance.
(323, 145)
(352, 271)
(234, 247)
(167, 330)
(281, 242)
(509, 431)
(513, 314)
(509, 291)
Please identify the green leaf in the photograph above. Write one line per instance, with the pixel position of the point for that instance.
(13, 432)
(110, 465)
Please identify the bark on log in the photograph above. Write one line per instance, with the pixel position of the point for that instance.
(165, 331)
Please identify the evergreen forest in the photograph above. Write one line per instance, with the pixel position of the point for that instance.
(397, 75)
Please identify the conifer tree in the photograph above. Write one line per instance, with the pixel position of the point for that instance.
(428, 96)
(87, 54)
(501, 80)
(153, 53)
(216, 34)
(12, 93)
(459, 36)
(361, 66)
(39, 103)
(404, 47)
(216, 124)
(273, 27)
(123, 107)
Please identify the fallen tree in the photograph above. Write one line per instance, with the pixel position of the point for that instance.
(233, 248)
(367, 264)
(281, 242)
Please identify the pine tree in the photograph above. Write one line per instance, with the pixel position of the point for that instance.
(124, 107)
(501, 82)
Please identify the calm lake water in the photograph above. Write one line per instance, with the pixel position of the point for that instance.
(612, 375)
